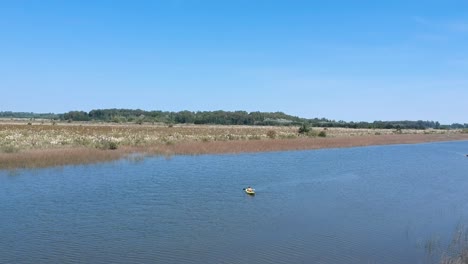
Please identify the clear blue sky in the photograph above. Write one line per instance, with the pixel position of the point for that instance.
(342, 60)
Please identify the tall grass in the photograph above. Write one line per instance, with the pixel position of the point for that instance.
(50, 145)
(457, 252)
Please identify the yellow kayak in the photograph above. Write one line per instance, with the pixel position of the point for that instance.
(250, 191)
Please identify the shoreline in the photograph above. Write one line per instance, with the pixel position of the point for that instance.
(53, 157)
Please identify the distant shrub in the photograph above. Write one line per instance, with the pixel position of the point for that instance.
(271, 134)
(29, 124)
(322, 134)
(465, 131)
(377, 133)
(113, 145)
(106, 144)
(304, 129)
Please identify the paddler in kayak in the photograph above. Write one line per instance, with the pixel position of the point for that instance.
(250, 190)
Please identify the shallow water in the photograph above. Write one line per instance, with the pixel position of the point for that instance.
(383, 204)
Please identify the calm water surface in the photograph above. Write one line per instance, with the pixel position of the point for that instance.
(385, 204)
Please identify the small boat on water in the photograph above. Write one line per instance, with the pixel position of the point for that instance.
(250, 191)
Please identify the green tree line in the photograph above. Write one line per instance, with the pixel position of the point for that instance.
(184, 117)
(223, 118)
(9, 114)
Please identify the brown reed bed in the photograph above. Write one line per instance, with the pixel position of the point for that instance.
(303, 143)
(65, 155)
(457, 251)
(56, 157)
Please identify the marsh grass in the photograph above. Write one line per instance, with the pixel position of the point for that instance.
(41, 145)
(454, 251)
(55, 157)
(457, 252)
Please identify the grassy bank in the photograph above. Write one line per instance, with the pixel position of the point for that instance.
(40, 144)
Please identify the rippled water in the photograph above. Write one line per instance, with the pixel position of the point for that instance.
(385, 204)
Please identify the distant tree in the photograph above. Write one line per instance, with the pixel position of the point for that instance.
(184, 117)
(457, 126)
(76, 116)
(304, 128)
(224, 118)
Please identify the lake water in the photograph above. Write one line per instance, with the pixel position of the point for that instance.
(383, 204)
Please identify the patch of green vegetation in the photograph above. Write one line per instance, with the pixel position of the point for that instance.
(106, 144)
(10, 149)
(139, 121)
(304, 129)
(311, 133)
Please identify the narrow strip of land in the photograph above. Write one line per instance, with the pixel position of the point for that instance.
(44, 146)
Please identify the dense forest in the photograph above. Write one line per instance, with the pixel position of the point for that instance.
(221, 118)
(9, 114)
